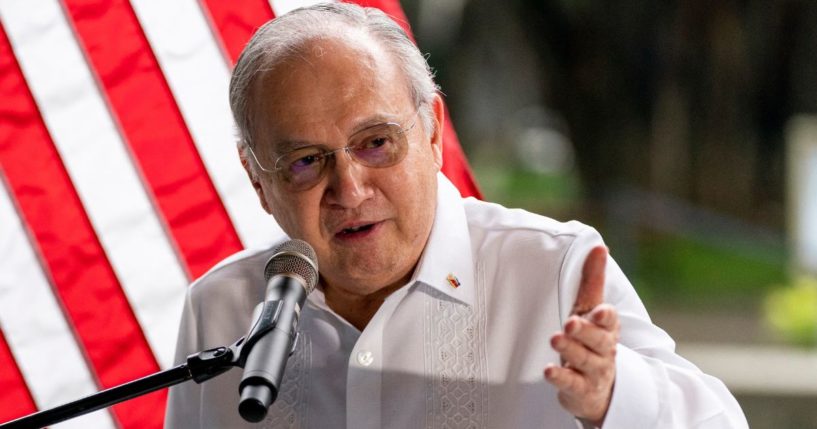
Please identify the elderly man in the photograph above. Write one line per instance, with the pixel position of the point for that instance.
(431, 310)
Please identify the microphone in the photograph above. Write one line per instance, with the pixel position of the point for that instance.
(291, 274)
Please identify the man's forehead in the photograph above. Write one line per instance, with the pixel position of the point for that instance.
(326, 55)
(321, 70)
(325, 82)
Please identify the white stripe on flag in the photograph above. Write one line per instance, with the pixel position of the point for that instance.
(199, 77)
(100, 168)
(281, 7)
(50, 360)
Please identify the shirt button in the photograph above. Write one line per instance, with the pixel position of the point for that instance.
(365, 358)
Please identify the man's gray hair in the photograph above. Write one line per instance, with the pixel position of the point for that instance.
(279, 38)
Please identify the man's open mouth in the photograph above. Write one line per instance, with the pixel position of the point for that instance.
(356, 229)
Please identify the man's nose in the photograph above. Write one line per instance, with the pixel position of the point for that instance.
(348, 181)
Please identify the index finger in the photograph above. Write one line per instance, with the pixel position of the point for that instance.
(591, 287)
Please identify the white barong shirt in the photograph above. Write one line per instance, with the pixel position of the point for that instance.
(462, 345)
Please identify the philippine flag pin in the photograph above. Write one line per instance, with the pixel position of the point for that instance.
(453, 280)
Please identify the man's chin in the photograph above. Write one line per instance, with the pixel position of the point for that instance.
(369, 277)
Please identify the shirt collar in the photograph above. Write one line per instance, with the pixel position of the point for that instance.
(447, 264)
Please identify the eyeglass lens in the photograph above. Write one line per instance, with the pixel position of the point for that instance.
(379, 146)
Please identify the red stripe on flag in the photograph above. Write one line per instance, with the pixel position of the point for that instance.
(151, 123)
(234, 22)
(17, 400)
(64, 239)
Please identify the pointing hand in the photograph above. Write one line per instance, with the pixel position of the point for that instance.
(587, 347)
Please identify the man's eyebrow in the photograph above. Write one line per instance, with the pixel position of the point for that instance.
(373, 120)
(283, 147)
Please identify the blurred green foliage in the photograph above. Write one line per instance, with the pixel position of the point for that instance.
(792, 311)
(688, 271)
(548, 194)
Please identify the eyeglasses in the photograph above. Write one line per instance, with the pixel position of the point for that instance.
(378, 146)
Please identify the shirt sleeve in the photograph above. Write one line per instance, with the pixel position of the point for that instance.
(184, 399)
(654, 386)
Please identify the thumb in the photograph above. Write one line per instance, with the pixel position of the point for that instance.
(591, 288)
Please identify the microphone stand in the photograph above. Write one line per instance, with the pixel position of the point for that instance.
(199, 367)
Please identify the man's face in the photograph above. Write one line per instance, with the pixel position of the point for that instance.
(368, 225)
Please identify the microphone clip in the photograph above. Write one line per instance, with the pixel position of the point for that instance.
(265, 321)
(209, 363)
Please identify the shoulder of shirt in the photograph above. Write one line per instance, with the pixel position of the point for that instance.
(237, 264)
(491, 217)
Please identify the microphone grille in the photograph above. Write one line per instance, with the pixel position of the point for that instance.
(294, 257)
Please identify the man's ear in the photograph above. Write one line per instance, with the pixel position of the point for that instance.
(438, 122)
(256, 184)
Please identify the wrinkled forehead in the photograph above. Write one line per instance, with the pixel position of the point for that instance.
(339, 79)
(317, 68)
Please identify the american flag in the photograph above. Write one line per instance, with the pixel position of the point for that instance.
(119, 184)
